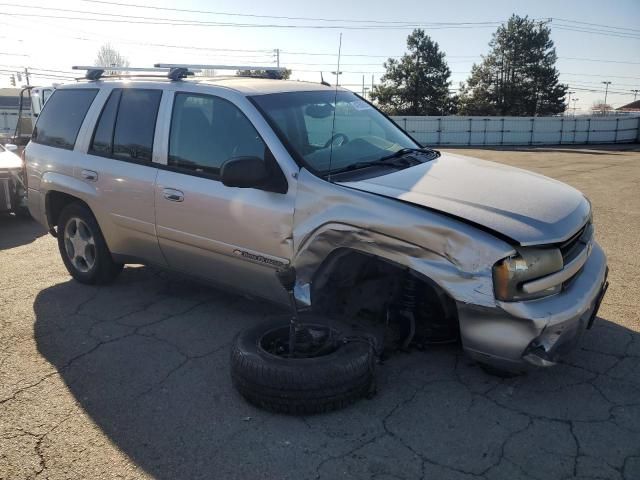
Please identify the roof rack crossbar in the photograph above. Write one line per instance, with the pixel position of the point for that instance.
(97, 72)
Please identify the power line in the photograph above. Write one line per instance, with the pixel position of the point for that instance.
(594, 24)
(600, 60)
(571, 28)
(279, 17)
(134, 19)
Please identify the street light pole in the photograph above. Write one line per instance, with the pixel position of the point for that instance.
(574, 106)
(635, 94)
(606, 91)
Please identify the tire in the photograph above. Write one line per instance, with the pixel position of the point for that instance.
(98, 267)
(300, 386)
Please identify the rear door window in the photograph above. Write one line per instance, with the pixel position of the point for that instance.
(60, 121)
(136, 124)
(127, 125)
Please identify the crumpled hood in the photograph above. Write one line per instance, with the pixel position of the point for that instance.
(9, 160)
(529, 208)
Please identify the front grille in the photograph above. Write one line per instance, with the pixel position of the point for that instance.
(574, 246)
(5, 198)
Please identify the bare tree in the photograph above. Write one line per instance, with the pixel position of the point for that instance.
(110, 57)
(601, 108)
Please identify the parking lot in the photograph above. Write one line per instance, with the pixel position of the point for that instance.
(131, 380)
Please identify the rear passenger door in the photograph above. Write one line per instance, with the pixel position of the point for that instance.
(233, 236)
(119, 163)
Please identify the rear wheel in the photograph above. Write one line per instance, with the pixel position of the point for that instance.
(82, 246)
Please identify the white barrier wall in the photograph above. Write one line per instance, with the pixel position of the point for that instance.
(521, 130)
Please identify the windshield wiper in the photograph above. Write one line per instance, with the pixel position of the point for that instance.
(384, 161)
(372, 163)
(406, 151)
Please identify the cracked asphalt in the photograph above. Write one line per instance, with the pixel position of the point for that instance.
(131, 380)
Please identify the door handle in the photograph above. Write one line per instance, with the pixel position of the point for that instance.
(173, 195)
(89, 175)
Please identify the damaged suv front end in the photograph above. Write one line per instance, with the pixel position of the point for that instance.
(545, 299)
(514, 251)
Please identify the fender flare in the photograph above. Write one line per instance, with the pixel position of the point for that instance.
(57, 182)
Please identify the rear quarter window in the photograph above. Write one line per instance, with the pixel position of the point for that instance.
(61, 118)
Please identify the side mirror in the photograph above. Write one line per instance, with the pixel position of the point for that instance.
(244, 172)
(10, 147)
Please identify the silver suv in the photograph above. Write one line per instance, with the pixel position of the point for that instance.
(229, 179)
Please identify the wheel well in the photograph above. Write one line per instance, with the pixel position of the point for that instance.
(55, 203)
(351, 284)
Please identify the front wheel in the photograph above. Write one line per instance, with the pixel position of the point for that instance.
(82, 247)
(318, 380)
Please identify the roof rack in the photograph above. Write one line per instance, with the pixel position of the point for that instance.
(97, 72)
(271, 72)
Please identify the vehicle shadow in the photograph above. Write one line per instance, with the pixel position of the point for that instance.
(147, 359)
(16, 231)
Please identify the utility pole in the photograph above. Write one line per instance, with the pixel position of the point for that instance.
(277, 54)
(635, 94)
(363, 85)
(574, 106)
(569, 101)
(606, 90)
(26, 75)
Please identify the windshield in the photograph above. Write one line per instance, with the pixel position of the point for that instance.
(361, 133)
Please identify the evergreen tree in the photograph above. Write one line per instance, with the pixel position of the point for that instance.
(418, 83)
(518, 77)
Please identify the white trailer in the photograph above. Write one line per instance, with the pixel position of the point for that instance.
(19, 108)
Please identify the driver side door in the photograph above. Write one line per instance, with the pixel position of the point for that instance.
(237, 237)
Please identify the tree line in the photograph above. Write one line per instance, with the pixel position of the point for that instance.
(517, 77)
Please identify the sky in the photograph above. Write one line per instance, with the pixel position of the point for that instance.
(595, 41)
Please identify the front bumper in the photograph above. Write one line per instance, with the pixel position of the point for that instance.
(516, 335)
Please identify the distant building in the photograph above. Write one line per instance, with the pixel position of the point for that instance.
(633, 107)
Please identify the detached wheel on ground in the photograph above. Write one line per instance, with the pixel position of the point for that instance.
(325, 374)
(82, 246)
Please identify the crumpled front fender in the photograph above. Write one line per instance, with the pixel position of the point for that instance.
(454, 255)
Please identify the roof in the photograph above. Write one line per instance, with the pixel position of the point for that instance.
(261, 86)
(630, 107)
(243, 85)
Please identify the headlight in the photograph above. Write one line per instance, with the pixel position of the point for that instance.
(528, 264)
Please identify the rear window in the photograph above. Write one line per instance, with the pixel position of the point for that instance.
(60, 121)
